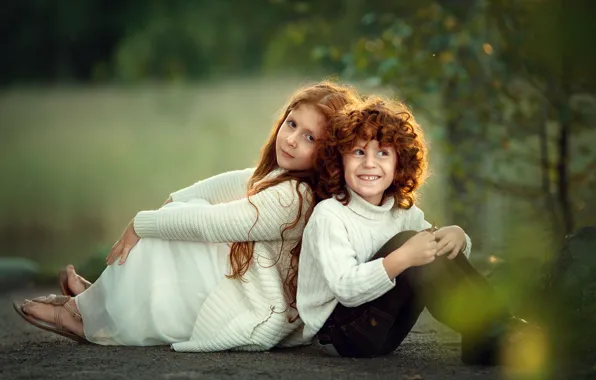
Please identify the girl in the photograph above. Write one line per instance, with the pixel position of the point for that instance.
(182, 283)
(361, 304)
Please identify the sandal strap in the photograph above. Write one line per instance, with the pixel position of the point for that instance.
(59, 303)
(72, 311)
(52, 299)
(58, 318)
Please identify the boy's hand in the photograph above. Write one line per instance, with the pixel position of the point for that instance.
(451, 240)
(421, 249)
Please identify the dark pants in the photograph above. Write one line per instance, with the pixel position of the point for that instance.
(452, 290)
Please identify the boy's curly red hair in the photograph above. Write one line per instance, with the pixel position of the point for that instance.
(328, 98)
(391, 124)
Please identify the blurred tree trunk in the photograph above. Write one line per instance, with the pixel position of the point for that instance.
(464, 207)
(563, 117)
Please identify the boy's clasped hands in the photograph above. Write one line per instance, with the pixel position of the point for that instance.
(426, 245)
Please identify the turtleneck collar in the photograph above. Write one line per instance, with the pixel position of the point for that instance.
(366, 209)
(275, 172)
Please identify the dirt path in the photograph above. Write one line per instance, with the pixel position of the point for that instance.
(430, 352)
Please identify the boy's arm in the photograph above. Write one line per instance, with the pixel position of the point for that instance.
(326, 240)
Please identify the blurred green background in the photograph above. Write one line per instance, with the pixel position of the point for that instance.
(107, 107)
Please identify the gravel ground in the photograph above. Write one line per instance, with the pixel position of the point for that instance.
(430, 352)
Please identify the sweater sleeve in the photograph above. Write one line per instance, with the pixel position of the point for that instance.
(416, 221)
(235, 221)
(325, 239)
(220, 188)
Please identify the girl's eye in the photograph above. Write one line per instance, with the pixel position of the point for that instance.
(310, 138)
(383, 153)
(291, 123)
(358, 152)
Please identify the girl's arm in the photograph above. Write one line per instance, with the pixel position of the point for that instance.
(415, 221)
(326, 240)
(220, 188)
(234, 221)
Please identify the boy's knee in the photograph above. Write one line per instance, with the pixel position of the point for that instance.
(394, 243)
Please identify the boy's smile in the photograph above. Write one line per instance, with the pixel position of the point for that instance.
(369, 169)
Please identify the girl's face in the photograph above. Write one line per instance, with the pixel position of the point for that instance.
(369, 169)
(295, 142)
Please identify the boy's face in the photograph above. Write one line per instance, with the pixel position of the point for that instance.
(369, 169)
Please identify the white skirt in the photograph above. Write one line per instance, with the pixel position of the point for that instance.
(155, 296)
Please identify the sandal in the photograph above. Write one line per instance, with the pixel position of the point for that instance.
(60, 304)
(63, 282)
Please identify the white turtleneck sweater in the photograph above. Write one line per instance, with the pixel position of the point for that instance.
(252, 314)
(337, 245)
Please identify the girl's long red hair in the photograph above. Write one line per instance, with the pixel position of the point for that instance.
(329, 98)
(391, 124)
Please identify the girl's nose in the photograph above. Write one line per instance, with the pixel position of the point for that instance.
(291, 141)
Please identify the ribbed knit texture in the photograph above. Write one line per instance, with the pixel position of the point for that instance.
(337, 245)
(220, 188)
(240, 315)
(234, 221)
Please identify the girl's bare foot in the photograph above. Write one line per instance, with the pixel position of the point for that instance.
(76, 283)
(49, 313)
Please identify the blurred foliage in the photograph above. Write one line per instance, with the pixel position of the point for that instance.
(503, 70)
(134, 39)
(93, 266)
(560, 295)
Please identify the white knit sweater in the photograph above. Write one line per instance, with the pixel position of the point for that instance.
(239, 315)
(337, 245)
(220, 188)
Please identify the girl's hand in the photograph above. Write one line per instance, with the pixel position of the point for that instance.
(123, 246)
(126, 242)
(451, 240)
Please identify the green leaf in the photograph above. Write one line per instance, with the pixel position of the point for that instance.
(319, 52)
(388, 65)
(369, 18)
